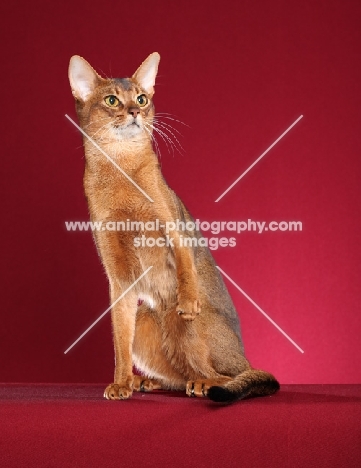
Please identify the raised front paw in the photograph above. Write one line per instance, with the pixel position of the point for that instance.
(188, 308)
(118, 392)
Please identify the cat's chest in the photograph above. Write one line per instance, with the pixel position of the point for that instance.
(110, 192)
(107, 199)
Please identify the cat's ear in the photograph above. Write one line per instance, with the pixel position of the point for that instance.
(146, 73)
(83, 78)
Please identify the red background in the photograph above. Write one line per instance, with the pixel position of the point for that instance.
(238, 73)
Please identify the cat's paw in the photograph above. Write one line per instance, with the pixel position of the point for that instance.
(199, 388)
(187, 308)
(118, 392)
(142, 384)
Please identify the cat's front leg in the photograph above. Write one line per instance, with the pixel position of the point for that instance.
(123, 316)
(122, 268)
(188, 304)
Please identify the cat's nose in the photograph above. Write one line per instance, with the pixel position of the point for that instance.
(134, 111)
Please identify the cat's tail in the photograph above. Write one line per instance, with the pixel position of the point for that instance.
(250, 383)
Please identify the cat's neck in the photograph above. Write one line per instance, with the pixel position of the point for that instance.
(128, 155)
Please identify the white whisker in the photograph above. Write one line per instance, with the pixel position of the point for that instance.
(168, 142)
(157, 148)
(176, 143)
(165, 115)
(165, 124)
(167, 128)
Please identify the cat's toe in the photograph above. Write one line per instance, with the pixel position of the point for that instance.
(142, 384)
(197, 388)
(188, 310)
(117, 392)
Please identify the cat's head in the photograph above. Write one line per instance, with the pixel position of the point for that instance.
(114, 109)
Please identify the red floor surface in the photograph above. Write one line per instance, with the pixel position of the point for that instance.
(72, 426)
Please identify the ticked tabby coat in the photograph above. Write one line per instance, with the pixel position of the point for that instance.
(185, 335)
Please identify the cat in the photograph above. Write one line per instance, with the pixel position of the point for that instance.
(185, 335)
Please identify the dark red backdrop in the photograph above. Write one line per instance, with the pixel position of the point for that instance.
(238, 73)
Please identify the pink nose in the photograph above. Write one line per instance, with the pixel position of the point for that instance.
(134, 111)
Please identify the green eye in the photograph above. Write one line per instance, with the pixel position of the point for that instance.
(142, 100)
(112, 101)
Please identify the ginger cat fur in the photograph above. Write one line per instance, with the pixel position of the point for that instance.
(186, 334)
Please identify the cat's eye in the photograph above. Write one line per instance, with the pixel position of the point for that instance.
(112, 101)
(142, 100)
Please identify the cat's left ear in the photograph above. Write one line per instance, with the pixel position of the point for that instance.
(146, 73)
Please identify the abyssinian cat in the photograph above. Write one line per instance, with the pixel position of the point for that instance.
(185, 335)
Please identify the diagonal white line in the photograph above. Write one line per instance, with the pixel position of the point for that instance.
(108, 157)
(258, 159)
(262, 311)
(108, 309)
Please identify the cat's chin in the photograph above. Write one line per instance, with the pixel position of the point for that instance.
(130, 131)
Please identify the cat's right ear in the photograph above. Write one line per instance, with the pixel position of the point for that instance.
(83, 78)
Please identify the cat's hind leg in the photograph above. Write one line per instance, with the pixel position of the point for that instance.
(149, 356)
(200, 387)
(143, 384)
